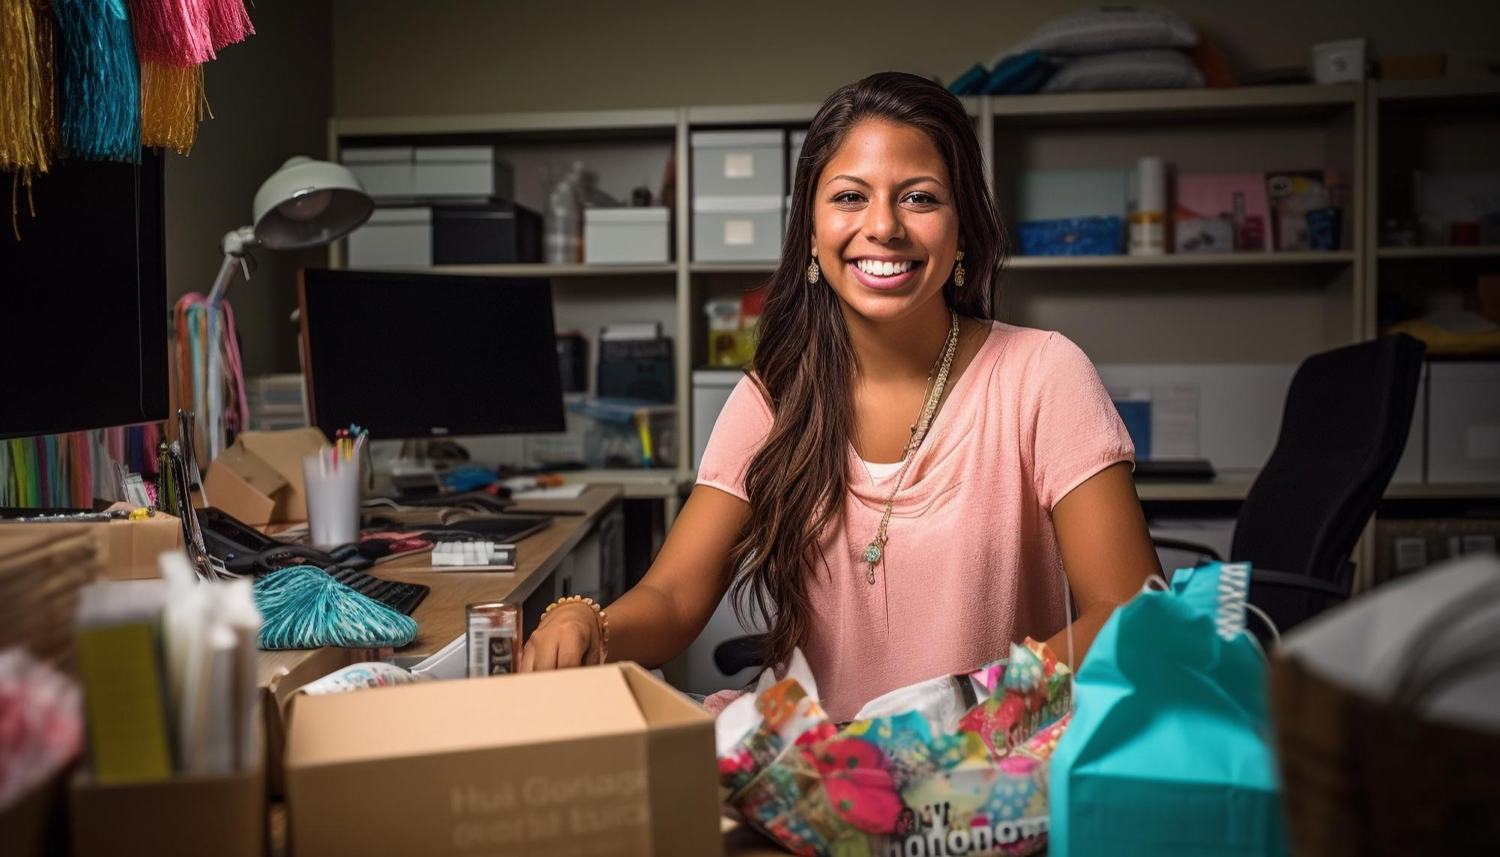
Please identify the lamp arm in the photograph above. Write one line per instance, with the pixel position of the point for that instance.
(236, 246)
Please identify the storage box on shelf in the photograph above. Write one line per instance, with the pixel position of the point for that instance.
(739, 184)
(626, 236)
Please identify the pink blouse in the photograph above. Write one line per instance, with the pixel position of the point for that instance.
(972, 562)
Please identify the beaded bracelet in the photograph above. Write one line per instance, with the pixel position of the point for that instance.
(599, 614)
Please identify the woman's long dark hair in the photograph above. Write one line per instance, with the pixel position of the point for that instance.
(805, 364)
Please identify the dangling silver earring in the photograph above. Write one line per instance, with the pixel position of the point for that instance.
(812, 272)
(958, 270)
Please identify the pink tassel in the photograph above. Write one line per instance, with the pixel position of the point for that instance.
(228, 22)
(172, 32)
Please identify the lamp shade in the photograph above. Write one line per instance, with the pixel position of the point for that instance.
(309, 203)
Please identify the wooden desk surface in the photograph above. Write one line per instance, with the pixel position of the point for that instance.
(440, 616)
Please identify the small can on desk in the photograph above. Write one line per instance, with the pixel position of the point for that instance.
(494, 638)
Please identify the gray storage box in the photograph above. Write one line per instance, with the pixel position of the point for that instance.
(626, 236)
(737, 229)
(738, 163)
(711, 389)
(462, 171)
(1463, 424)
(793, 154)
(393, 238)
(385, 172)
(1411, 468)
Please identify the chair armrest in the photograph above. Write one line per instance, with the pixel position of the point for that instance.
(738, 653)
(1189, 547)
(1288, 580)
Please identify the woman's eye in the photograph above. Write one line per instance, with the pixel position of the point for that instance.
(848, 197)
(922, 198)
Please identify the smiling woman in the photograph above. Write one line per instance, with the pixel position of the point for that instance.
(901, 484)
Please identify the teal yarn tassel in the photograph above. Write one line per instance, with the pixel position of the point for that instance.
(303, 607)
(98, 81)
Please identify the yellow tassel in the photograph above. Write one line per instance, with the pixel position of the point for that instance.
(172, 104)
(28, 125)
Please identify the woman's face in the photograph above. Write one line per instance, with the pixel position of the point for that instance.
(885, 231)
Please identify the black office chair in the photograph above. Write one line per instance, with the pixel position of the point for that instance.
(1342, 433)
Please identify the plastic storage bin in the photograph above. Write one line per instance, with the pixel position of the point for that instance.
(490, 233)
(1077, 236)
(738, 163)
(711, 389)
(393, 238)
(1463, 422)
(737, 229)
(386, 172)
(461, 171)
(626, 236)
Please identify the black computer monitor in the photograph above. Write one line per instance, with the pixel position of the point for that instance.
(83, 297)
(429, 355)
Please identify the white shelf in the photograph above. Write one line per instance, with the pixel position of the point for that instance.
(543, 270)
(1247, 102)
(644, 483)
(1474, 252)
(732, 267)
(1442, 490)
(1181, 260)
(562, 121)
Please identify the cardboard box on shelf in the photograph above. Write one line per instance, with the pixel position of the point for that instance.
(258, 479)
(223, 815)
(601, 760)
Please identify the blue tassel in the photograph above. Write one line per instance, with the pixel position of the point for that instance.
(98, 81)
(303, 607)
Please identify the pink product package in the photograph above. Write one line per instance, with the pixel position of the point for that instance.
(1238, 197)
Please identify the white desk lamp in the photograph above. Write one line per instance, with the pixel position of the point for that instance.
(305, 203)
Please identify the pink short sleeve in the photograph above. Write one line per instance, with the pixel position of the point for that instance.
(1076, 430)
(738, 433)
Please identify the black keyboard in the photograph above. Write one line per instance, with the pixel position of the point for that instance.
(402, 597)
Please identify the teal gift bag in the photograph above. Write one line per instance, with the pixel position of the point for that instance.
(1170, 750)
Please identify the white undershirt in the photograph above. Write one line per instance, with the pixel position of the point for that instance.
(881, 470)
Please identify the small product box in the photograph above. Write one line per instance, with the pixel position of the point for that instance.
(399, 237)
(626, 236)
(472, 171)
(386, 172)
(598, 760)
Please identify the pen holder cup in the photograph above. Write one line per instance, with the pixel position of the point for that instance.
(332, 500)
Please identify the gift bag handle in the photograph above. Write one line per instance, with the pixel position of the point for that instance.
(1413, 685)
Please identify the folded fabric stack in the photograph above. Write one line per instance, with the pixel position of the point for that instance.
(958, 762)
(1108, 48)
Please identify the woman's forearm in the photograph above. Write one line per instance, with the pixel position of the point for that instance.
(1085, 628)
(646, 626)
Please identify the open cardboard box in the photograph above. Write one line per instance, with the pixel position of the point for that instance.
(276, 701)
(599, 760)
(258, 479)
(185, 816)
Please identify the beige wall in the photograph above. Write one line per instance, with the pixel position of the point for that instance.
(271, 97)
(394, 57)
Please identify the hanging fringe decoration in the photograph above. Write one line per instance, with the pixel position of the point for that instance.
(171, 32)
(228, 22)
(28, 123)
(172, 105)
(98, 80)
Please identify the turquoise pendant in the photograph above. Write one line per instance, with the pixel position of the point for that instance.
(872, 553)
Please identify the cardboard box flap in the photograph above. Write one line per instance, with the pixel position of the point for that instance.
(283, 451)
(661, 705)
(450, 716)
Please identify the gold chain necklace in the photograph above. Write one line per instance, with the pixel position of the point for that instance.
(876, 548)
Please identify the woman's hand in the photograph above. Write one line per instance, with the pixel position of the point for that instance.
(569, 636)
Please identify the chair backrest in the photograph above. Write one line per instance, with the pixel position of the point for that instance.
(1342, 434)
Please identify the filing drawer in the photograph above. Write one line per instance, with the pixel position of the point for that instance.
(738, 163)
(1463, 422)
(385, 172)
(393, 238)
(462, 171)
(737, 229)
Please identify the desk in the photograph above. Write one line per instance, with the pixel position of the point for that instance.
(440, 616)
